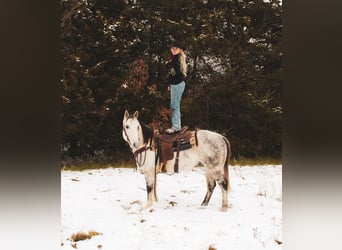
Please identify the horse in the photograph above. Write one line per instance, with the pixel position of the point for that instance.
(213, 151)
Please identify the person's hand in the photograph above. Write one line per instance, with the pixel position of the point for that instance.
(168, 87)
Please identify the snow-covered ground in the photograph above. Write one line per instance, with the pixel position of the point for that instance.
(111, 202)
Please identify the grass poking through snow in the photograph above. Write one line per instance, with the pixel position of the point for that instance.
(84, 236)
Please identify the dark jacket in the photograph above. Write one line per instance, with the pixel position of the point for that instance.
(175, 76)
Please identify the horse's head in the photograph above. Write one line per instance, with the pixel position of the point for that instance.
(132, 130)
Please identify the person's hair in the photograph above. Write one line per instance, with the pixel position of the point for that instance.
(182, 60)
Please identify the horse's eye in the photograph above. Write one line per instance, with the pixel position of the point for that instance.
(127, 126)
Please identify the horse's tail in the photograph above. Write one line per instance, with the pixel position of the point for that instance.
(226, 163)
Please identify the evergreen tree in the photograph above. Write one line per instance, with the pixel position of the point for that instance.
(114, 55)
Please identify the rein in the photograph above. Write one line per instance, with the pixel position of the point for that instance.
(140, 155)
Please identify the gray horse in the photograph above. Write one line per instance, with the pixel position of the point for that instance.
(212, 151)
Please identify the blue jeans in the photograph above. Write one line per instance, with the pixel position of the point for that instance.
(176, 96)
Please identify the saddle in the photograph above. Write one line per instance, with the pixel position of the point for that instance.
(167, 144)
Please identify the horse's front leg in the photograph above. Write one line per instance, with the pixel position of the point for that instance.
(151, 181)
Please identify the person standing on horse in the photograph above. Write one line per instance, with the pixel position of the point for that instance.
(177, 70)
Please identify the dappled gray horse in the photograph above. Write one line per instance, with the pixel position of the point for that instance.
(212, 151)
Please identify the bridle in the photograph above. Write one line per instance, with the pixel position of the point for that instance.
(139, 154)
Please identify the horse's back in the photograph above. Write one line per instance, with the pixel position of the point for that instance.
(209, 140)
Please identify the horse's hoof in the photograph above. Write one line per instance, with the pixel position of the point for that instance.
(224, 209)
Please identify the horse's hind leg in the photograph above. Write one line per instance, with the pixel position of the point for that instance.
(210, 188)
(224, 185)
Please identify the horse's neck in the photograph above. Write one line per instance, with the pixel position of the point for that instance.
(147, 132)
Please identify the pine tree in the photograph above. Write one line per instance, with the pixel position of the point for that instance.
(114, 55)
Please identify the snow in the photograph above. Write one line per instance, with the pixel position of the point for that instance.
(112, 202)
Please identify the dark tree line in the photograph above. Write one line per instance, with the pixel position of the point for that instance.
(114, 52)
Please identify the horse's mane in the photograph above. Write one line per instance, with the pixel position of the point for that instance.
(147, 132)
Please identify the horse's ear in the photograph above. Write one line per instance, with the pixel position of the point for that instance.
(126, 115)
(136, 114)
